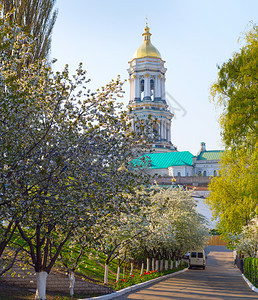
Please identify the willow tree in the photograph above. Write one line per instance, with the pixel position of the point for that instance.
(234, 195)
(37, 17)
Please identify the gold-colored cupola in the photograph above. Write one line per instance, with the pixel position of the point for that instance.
(146, 49)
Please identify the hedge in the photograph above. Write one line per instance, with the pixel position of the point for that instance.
(251, 270)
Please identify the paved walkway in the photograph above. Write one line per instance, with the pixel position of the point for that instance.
(220, 280)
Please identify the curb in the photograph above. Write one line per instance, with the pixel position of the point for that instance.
(136, 286)
(252, 287)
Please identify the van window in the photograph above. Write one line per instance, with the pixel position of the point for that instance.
(200, 255)
(193, 254)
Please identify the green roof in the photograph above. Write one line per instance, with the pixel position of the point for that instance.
(164, 160)
(210, 155)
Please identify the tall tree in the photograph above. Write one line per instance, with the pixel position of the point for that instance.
(234, 195)
(236, 93)
(37, 17)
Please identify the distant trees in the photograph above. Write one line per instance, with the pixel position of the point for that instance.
(233, 197)
(37, 18)
(175, 224)
(162, 227)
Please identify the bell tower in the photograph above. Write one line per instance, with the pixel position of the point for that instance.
(147, 92)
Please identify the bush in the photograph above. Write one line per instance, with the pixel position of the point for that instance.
(251, 270)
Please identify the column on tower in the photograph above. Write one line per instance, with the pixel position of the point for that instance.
(147, 87)
(163, 96)
(160, 129)
(155, 87)
(131, 87)
(158, 87)
(165, 130)
(137, 88)
(132, 82)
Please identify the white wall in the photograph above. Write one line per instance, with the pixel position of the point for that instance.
(210, 167)
(183, 170)
(187, 170)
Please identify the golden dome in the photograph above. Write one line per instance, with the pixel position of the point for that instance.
(146, 49)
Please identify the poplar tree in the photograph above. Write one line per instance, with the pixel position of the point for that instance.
(37, 17)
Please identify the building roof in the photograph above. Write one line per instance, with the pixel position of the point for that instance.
(146, 49)
(164, 160)
(210, 155)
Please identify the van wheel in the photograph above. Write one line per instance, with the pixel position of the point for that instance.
(203, 267)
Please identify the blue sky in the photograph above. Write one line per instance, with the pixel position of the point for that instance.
(192, 37)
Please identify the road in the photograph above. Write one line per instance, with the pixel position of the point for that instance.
(220, 280)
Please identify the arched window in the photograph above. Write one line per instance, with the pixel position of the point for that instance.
(204, 173)
(178, 174)
(215, 173)
(142, 89)
(152, 89)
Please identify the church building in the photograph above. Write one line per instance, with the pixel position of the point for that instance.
(148, 98)
(147, 91)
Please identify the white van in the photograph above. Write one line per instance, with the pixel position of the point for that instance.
(197, 259)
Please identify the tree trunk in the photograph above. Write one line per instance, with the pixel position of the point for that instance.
(161, 265)
(118, 273)
(131, 272)
(41, 285)
(124, 272)
(157, 265)
(176, 263)
(148, 265)
(106, 274)
(153, 264)
(71, 282)
(166, 264)
(142, 269)
(171, 264)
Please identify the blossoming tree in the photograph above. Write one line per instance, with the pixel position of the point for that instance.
(62, 151)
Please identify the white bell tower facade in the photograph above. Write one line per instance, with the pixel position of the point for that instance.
(147, 92)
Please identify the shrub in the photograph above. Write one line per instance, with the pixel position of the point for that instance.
(251, 270)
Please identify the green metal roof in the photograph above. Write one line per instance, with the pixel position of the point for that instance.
(210, 155)
(164, 160)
